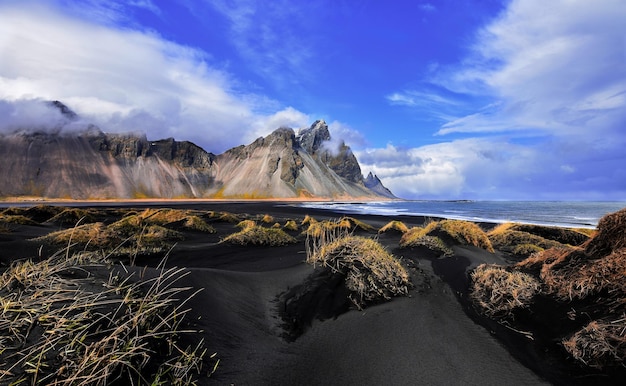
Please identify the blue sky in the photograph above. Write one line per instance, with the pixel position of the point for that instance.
(478, 99)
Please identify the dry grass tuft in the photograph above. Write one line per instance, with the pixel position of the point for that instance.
(394, 225)
(228, 217)
(267, 219)
(17, 219)
(308, 220)
(175, 217)
(498, 291)
(611, 235)
(599, 344)
(410, 238)
(128, 236)
(246, 224)
(507, 240)
(317, 229)
(465, 232)
(574, 276)
(434, 244)
(72, 216)
(56, 329)
(526, 250)
(588, 280)
(371, 273)
(38, 214)
(357, 224)
(291, 225)
(258, 235)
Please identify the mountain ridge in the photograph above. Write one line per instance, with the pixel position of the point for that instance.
(94, 165)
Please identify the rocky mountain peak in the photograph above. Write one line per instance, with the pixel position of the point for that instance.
(312, 138)
(373, 183)
(89, 163)
(65, 111)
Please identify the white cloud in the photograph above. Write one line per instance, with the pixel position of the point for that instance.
(342, 132)
(558, 67)
(554, 78)
(459, 169)
(125, 80)
(288, 117)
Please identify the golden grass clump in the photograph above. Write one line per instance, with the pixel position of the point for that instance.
(291, 225)
(434, 244)
(97, 235)
(246, 224)
(73, 216)
(317, 229)
(394, 225)
(508, 240)
(465, 232)
(498, 291)
(575, 276)
(258, 235)
(371, 273)
(611, 235)
(267, 219)
(567, 236)
(228, 217)
(16, 219)
(357, 224)
(57, 329)
(124, 237)
(39, 213)
(599, 344)
(308, 220)
(526, 250)
(409, 238)
(168, 217)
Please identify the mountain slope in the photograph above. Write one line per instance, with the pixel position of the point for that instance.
(92, 164)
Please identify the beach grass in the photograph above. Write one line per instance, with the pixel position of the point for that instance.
(395, 225)
(372, 274)
(16, 219)
(291, 225)
(587, 280)
(259, 235)
(63, 325)
(72, 216)
(436, 235)
(498, 291)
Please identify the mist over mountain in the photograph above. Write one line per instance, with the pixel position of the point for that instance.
(89, 164)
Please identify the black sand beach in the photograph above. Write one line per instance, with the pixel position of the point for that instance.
(430, 337)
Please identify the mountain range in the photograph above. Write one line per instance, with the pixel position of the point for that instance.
(91, 164)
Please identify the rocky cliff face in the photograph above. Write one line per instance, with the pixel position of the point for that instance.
(101, 166)
(285, 165)
(373, 183)
(93, 164)
(316, 140)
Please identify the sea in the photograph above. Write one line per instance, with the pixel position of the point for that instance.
(570, 214)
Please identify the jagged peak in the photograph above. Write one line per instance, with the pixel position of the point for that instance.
(65, 111)
(312, 138)
(374, 183)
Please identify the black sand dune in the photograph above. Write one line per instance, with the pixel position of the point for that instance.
(246, 313)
